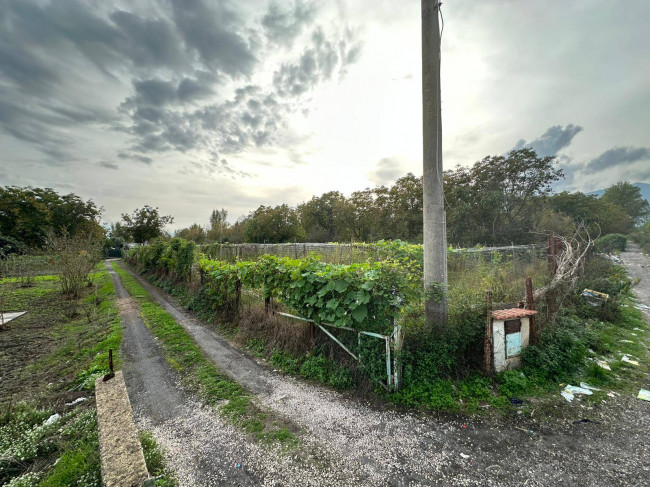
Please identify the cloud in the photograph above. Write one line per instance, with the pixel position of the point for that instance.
(135, 157)
(317, 63)
(214, 32)
(175, 75)
(552, 141)
(283, 25)
(386, 171)
(109, 165)
(617, 156)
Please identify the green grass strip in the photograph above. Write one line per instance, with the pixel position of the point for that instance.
(201, 375)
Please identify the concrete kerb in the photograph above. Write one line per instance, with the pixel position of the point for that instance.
(122, 458)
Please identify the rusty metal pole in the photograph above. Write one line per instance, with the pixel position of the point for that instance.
(530, 304)
(487, 344)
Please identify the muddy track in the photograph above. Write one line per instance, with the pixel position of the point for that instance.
(390, 448)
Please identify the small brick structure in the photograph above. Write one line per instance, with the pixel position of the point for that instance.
(122, 459)
(510, 334)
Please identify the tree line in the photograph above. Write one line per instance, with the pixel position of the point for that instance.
(499, 200)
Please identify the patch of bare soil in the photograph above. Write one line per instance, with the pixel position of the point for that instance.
(24, 341)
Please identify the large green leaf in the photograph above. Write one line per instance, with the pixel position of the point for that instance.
(360, 313)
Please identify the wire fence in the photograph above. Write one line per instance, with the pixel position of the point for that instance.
(350, 253)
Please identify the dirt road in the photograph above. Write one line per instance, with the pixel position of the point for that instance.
(369, 447)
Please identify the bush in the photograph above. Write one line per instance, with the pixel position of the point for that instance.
(560, 352)
(75, 258)
(513, 383)
(614, 242)
(316, 368)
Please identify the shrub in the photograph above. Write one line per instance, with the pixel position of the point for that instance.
(75, 258)
(560, 352)
(315, 368)
(614, 242)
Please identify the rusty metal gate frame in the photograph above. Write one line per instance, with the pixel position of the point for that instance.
(393, 343)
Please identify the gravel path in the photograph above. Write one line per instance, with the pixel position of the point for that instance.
(390, 448)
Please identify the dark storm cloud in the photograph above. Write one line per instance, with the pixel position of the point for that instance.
(151, 42)
(617, 156)
(283, 25)
(552, 141)
(253, 117)
(317, 63)
(176, 56)
(216, 33)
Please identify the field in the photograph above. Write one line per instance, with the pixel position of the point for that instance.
(49, 360)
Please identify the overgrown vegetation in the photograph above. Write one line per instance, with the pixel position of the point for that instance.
(201, 375)
(614, 242)
(55, 361)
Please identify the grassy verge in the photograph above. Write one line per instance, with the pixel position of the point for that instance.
(201, 375)
(155, 460)
(48, 432)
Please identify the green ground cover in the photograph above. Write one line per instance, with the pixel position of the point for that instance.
(55, 352)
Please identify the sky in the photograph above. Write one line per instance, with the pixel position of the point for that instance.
(192, 105)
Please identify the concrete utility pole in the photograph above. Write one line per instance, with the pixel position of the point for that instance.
(435, 227)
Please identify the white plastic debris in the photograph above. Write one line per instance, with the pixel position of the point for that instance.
(628, 360)
(584, 385)
(567, 395)
(603, 364)
(578, 390)
(463, 455)
(76, 401)
(644, 395)
(52, 419)
(612, 394)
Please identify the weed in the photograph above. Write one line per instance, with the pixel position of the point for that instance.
(155, 460)
(285, 362)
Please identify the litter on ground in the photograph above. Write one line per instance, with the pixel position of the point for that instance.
(584, 385)
(52, 419)
(7, 317)
(628, 360)
(603, 364)
(644, 394)
(567, 395)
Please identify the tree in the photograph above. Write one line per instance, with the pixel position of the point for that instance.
(29, 215)
(195, 233)
(274, 225)
(628, 197)
(598, 215)
(406, 200)
(145, 223)
(498, 199)
(218, 225)
(323, 217)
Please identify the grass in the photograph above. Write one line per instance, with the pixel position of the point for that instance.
(155, 460)
(56, 356)
(201, 375)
